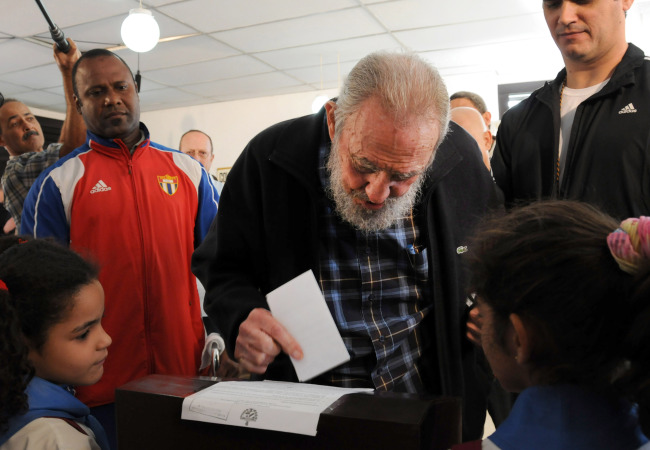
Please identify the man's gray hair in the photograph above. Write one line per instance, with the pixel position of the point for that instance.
(404, 84)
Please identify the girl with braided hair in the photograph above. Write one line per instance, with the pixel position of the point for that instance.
(51, 339)
(564, 300)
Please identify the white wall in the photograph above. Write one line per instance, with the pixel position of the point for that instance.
(46, 113)
(230, 124)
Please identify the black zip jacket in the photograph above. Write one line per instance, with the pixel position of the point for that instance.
(608, 156)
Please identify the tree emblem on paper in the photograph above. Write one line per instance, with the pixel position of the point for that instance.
(249, 414)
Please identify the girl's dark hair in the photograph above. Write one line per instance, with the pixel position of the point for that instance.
(41, 278)
(549, 263)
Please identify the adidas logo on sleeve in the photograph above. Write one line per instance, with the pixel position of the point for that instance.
(628, 109)
(100, 187)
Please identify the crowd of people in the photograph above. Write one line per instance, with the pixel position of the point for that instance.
(452, 263)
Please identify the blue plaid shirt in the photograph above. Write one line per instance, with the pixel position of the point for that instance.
(376, 286)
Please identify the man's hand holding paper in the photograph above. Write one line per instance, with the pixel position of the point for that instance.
(299, 324)
(300, 306)
(261, 338)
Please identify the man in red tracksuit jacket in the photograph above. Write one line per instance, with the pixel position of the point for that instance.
(138, 209)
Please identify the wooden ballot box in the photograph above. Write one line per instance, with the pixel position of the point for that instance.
(149, 417)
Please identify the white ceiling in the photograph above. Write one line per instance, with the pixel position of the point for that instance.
(254, 48)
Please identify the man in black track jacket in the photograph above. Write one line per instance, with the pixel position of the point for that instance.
(586, 135)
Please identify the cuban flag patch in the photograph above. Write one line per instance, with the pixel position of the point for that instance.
(168, 184)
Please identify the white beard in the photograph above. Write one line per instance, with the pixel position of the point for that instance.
(367, 220)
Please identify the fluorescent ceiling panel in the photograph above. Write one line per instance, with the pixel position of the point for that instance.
(217, 69)
(331, 52)
(215, 15)
(338, 25)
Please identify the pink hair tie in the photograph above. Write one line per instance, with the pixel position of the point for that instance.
(3, 286)
(630, 243)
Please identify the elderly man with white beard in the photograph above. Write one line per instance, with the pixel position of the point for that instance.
(371, 197)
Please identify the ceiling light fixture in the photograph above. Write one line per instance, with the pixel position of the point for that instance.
(140, 31)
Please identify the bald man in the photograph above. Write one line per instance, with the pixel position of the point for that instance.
(472, 121)
(471, 100)
(198, 145)
(583, 136)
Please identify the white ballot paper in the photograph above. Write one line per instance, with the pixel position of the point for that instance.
(267, 405)
(300, 306)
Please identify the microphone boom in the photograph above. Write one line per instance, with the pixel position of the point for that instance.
(57, 34)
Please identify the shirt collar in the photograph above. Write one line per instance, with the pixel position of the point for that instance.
(137, 144)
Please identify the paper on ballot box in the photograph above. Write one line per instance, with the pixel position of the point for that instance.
(267, 405)
(300, 307)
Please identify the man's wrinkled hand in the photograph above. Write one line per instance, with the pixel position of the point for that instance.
(261, 338)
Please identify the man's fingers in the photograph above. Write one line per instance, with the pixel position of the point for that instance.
(253, 336)
(251, 358)
(261, 338)
(254, 345)
(252, 368)
(276, 331)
